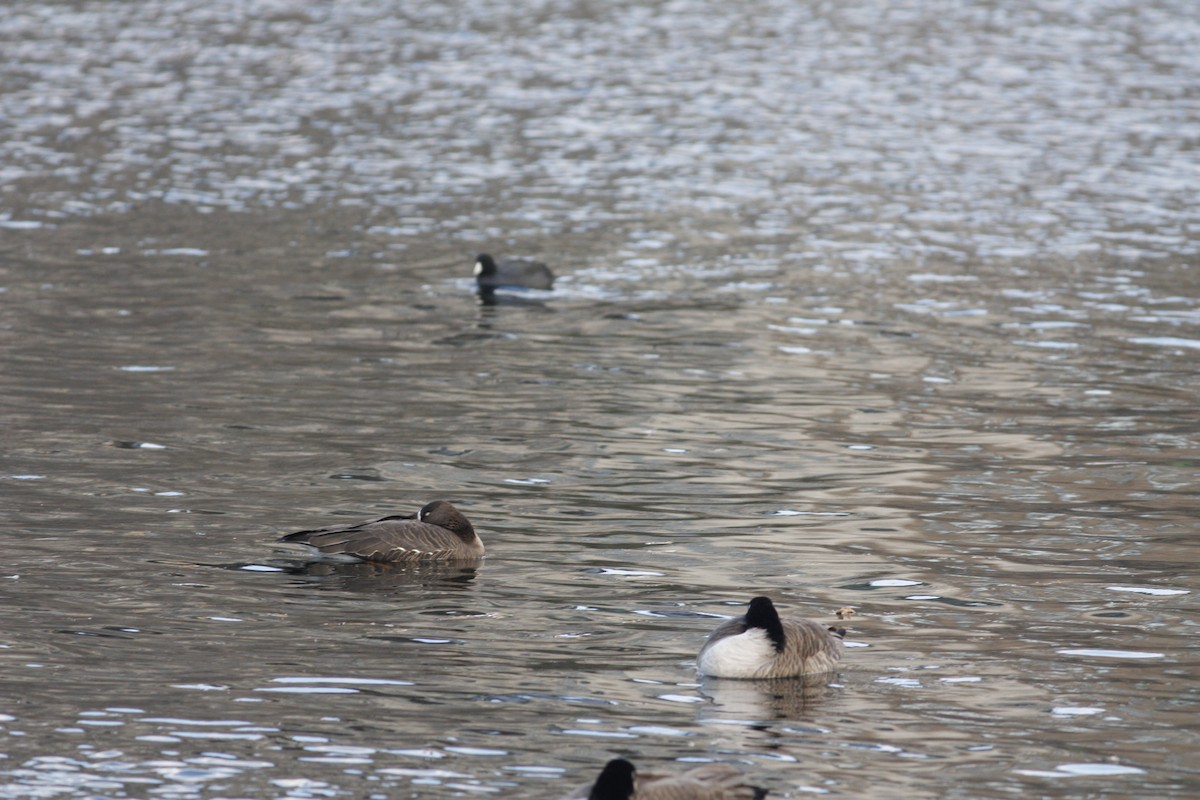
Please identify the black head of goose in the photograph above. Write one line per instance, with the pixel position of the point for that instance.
(619, 780)
(490, 274)
(438, 532)
(760, 644)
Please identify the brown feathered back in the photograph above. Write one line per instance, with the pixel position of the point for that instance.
(708, 782)
(439, 532)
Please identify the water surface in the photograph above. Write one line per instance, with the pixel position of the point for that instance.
(890, 308)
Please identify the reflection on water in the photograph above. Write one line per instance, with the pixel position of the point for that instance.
(881, 307)
(375, 578)
(758, 703)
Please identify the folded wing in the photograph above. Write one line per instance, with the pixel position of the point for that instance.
(395, 538)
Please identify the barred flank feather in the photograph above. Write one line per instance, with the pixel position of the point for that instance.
(439, 532)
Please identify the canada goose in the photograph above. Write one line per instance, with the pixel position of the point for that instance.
(620, 781)
(490, 275)
(761, 645)
(438, 532)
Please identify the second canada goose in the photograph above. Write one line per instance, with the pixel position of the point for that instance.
(620, 781)
(438, 532)
(761, 645)
(490, 274)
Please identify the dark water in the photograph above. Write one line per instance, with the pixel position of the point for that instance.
(886, 307)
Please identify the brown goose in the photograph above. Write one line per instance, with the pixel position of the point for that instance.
(761, 645)
(620, 781)
(491, 275)
(438, 532)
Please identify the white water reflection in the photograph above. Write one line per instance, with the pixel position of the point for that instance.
(760, 123)
(1102, 653)
(1082, 770)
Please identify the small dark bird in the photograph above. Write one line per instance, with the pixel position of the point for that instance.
(620, 781)
(490, 274)
(761, 645)
(438, 532)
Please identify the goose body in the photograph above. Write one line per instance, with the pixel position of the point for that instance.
(438, 532)
(490, 274)
(759, 644)
(619, 780)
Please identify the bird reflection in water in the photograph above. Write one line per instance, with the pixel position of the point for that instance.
(383, 577)
(779, 698)
(491, 298)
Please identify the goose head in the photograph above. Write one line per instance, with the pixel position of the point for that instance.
(444, 515)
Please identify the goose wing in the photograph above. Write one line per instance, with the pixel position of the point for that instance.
(730, 627)
(708, 782)
(810, 647)
(393, 538)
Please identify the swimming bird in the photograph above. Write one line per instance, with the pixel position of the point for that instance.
(761, 645)
(490, 275)
(438, 532)
(619, 780)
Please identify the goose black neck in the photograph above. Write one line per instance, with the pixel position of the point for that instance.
(762, 614)
(615, 781)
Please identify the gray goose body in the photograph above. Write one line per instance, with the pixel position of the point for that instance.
(760, 644)
(438, 532)
(619, 780)
(491, 274)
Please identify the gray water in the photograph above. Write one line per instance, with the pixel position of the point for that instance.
(877, 305)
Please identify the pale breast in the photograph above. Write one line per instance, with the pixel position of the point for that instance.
(741, 655)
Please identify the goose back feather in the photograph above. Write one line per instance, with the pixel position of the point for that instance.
(438, 532)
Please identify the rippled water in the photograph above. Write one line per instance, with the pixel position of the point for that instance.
(888, 307)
